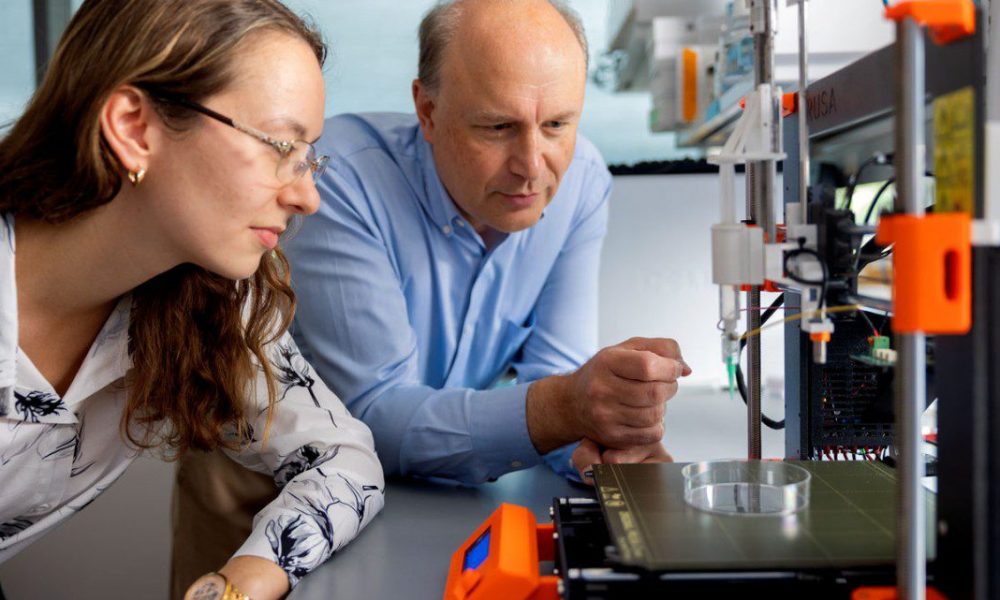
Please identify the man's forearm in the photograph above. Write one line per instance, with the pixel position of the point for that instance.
(550, 420)
(465, 435)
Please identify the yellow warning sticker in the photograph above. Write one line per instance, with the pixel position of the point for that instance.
(955, 151)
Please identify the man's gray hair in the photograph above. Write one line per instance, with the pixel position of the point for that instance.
(439, 25)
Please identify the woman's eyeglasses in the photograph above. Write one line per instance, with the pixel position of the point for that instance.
(297, 156)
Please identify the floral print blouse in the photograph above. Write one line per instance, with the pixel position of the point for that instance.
(58, 453)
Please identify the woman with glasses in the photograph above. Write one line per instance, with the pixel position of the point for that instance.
(144, 297)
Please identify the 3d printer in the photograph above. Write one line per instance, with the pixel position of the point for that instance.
(889, 183)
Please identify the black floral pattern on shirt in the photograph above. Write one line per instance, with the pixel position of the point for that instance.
(71, 446)
(301, 461)
(296, 544)
(12, 528)
(37, 404)
(293, 371)
(302, 542)
(244, 433)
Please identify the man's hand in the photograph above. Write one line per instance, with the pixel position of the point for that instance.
(588, 454)
(652, 453)
(617, 399)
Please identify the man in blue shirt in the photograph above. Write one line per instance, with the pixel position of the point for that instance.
(464, 241)
(457, 245)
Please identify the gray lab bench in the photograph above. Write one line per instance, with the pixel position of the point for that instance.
(405, 551)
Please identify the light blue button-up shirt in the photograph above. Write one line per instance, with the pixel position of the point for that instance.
(412, 319)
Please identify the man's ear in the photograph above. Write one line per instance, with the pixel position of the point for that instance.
(423, 102)
(125, 123)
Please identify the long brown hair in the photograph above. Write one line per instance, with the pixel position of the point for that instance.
(196, 339)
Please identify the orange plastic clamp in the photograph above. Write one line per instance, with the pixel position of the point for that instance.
(789, 103)
(932, 271)
(822, 336)
(509, 570)
(769, 286)
(889, 593)
(690, 85)
(947, 20)
(780, 233)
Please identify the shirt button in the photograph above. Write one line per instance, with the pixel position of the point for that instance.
(459, 222)
(446, 230)
(516, 464)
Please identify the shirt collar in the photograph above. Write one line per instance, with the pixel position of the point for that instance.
(438, 202)
(107, 359)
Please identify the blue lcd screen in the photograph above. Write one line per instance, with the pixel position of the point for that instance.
(477, 552)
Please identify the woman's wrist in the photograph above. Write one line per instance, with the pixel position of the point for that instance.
(214, 586)
(245, 577)
(257, 577)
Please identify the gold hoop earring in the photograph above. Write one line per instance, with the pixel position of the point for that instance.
(136, 176)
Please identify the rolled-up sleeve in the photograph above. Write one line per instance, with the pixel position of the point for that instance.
(322, 459)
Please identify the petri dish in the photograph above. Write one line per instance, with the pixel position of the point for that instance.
(746, 487)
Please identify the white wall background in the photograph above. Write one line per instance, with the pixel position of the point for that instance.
(656, 271)
(17, 58)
